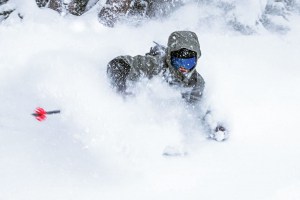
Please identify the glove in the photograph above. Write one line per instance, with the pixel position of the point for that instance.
(219, 134)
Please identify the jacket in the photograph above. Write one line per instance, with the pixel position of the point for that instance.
(123, 69)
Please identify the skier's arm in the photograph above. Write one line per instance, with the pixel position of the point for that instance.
(124, 68)
(117, 71)
(195, 95)
(213, 124)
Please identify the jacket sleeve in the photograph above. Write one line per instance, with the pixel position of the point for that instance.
(124, 68)
(117, 71)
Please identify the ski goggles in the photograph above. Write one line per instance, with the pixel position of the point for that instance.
(187, 63)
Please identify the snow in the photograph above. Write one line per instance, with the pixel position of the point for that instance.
(104, 147)
(256, 7)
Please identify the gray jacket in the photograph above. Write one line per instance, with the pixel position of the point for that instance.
(157, 62)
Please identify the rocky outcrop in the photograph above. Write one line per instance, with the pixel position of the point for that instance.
(75, 7)
(118, 10)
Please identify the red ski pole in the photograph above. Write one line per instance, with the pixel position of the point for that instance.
(40, 113)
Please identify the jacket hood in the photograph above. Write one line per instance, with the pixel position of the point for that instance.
(178, 40)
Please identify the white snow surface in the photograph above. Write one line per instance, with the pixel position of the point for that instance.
(104, 147)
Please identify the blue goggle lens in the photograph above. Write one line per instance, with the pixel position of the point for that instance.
(187, 63)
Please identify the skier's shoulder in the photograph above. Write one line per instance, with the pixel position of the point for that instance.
(200, 78)
(197, 78)
(157, 52)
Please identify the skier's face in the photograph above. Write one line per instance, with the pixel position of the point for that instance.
(183, 70)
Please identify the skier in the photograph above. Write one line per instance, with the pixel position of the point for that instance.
(176, 64)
